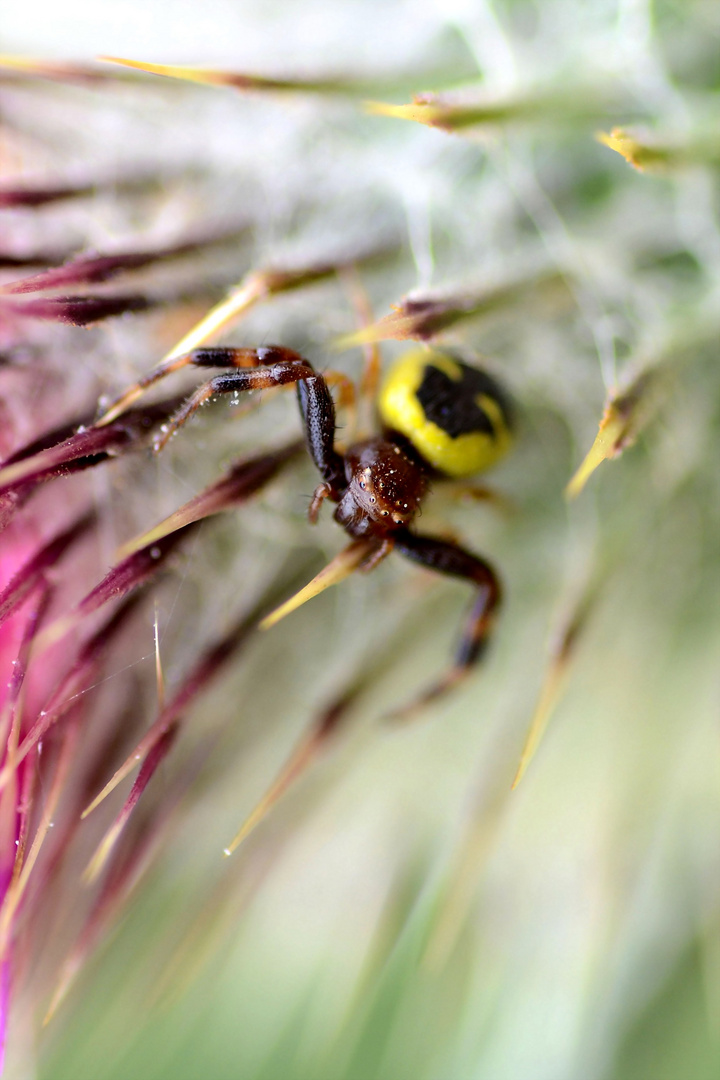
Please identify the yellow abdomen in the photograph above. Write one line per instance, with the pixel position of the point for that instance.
(457, 417)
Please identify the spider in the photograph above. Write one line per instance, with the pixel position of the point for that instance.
(440, 418)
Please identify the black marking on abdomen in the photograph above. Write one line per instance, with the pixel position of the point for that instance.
(451, 404)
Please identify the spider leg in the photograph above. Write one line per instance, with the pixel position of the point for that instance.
(318, 413)
(219, 357)
(463, 491)
(370, 379)
(446, 557)
(264, 368)
(376, 557)
(319, 495)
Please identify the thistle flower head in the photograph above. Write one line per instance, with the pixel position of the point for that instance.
(504, 885)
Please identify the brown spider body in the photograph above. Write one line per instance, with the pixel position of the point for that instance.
(385, 489)
(440, 417)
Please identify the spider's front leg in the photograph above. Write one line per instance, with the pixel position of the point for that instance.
(262, 369)
(446, 557)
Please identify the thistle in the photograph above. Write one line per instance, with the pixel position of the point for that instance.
(520, 880)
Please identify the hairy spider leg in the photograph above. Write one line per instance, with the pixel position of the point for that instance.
(449, 558)
(209, 357)
(265, 368)
(121, 404)
(201, 357)
(372, 361)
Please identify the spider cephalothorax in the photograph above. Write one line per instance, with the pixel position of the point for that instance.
(385, 487)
